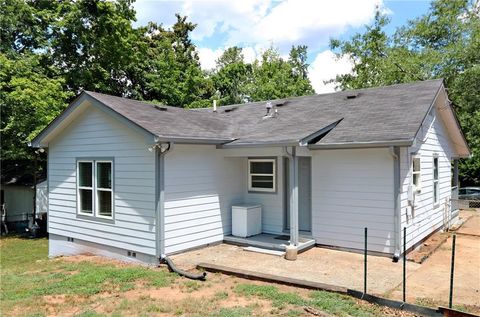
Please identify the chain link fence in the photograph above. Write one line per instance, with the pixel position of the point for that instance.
(459, 203)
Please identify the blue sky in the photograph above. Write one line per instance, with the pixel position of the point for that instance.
(258, 24)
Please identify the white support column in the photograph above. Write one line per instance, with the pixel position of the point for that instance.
(293, 169)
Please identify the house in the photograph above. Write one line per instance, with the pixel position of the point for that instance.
(132, 179)
(17, 194)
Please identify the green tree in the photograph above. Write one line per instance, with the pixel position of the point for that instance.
(273, 77)
(172, 72)
(92, 42)
(28, 101)
(24, 25)
(231, 76)
(443, 43)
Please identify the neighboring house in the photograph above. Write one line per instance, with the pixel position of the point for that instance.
(17, 193)
(131, 178)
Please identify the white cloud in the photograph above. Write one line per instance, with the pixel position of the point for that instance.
(257, 24)
(208, 57)
(326, 67)
(263, 22)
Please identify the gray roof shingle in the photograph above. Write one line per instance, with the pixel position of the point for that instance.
(384, 114)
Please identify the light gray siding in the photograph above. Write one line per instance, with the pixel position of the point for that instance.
(426, 216)
(95, 134)
(351, 190)
(200, 187)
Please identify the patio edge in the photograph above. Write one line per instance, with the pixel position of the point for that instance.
(270, 278)
(416, 309)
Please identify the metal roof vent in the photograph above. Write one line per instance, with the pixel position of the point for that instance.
(281, 104)
(160, 108)
(352, 95)
(230, 109)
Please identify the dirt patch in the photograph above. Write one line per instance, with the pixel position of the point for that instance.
(55, 299)
(96, 259)
(428, 247)
(472, 226)
(430, 283)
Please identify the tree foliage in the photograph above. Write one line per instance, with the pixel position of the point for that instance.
(443, 43)
(29, 100)
(269, 77)
(51, 50)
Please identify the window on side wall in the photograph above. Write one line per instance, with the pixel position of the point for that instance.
(94, 188)
(435, 180)
(261, 175)
(416, 174)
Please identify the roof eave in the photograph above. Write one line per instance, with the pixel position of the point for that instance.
(189, 140)
(258, 144)
(356, 145)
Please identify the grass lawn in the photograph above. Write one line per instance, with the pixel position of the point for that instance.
(33, 285)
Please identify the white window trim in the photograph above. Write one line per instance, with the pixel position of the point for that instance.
(97, 213)
(436, 182)
(419, 173)
(265, 190)
(94, 189)
(79, 210)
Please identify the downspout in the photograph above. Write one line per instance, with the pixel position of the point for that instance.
(160, 150)
(395, 153)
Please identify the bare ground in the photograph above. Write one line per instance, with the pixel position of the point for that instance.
(430, 283)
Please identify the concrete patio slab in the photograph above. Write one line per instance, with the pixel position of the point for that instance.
(344, 269)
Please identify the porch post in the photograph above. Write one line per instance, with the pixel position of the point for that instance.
(293, 169)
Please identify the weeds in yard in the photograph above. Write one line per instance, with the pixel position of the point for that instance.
(192, 286)
(221, 295)
(233, 312)
(332, 303)
(28, 275)
(33, 285)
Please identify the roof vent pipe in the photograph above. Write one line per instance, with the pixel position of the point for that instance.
(269, 107)
(214, 105)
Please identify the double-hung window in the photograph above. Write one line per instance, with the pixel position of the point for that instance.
(416, 174)
(261, 175)
(95, 190)
(85, 187)
(435, 180)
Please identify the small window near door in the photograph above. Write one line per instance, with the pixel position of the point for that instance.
(416, 175)
(435, 180)
(261, 175)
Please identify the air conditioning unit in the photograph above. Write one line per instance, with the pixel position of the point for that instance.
(246, 220)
